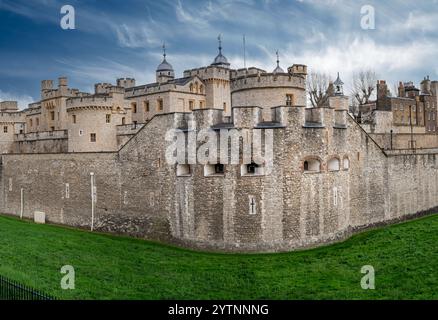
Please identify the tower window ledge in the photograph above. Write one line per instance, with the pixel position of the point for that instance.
(313, 125)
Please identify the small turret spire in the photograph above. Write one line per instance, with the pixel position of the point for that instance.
(164, 50)
(278, 69)
(220, 60)
(339, 89)
(219, 38)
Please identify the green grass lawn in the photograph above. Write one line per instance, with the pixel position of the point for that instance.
(405, 258)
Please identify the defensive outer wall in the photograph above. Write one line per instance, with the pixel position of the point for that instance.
(139, 194)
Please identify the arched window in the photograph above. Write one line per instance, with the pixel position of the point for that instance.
(312, 165)
(201, 89)
(346, 164)
(333, 164)
(191, 87)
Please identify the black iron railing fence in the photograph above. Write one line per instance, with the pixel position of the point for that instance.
(12, 290)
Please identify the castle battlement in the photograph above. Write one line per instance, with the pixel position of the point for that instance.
(210, 72)
(8, 106)
(267, 80)
(92, 101)
(150, 89)
(246, 72)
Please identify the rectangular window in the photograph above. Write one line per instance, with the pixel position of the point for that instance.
(134, 107)
(5, 129)
(67, 191)
(108, 118)
(289, 99)
(74, 118)
(93, 137)
(191, 104)
(146, 106)
(37, 121)
(201, 104)
(52, 115)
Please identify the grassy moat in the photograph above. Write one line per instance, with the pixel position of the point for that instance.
(405, 258)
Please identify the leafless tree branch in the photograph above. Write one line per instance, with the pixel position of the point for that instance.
(317, 89)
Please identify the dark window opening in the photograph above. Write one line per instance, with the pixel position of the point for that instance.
(251, 168)
(219, 168)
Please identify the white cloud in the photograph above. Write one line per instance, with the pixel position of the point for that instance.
(420, 21)
(388, 61)
(140, 36)
(23, 100)
(104, 70)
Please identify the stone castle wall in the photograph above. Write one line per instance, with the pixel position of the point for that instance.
(139, 194)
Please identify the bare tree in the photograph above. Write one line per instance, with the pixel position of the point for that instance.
(364, 85)
(317, 89)
(354, 107)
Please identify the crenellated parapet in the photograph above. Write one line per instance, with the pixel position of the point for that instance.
(235, 74)
(267, 80)
(49, 92)
(246, 117)
(210, 72)
(126, 82)
(323, 117)
(289, 116)
(110, 101)
(86, 102)
(206, 118)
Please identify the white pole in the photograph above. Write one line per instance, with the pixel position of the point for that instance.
(92, 200)
(22, 203)
(244, 52)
